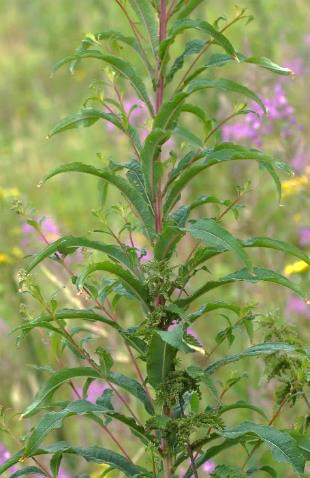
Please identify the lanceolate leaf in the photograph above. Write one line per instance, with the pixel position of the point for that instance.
(188, 7)
(132, 195)
(121, 66)
(111, 35)
(182, 174)
(160, 360)
(66, 243)
(192, 47)
(283, 447)
(175, 338)
(213, 234)
(210, 307)
(149, 154)
(62, 376)
(146, 15)
(225, 85)
(258, 274)
(266, 348)
(242, 405)
(84, 118)
(127, 279)
(277, 245)
(54, 420)
(184, 24)
(28, 470)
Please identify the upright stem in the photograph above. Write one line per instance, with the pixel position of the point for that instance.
(159, 99)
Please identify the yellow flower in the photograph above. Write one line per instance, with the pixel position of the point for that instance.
(17, 252)
(4, 258)
(298, 266)
(6, 193)
(99, 470)
(293, 186)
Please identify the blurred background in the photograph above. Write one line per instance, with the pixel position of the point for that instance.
(33, 36)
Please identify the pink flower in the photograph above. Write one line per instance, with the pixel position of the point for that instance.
(307, 39)
(295, 305)
(209, 466)
(304, 236)
(4, 456)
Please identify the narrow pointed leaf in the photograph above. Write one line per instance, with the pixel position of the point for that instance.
(160, 360)
(213, 234)
(119, 65)
(258, 274)
(146, 15)
(71, 242)
(266, 348)
(225, 85)
(132, 195)
(283, 447)
(28, 470)
(127, 279)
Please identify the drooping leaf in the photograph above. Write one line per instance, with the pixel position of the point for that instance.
(210, 307)
(160, 360)
(266, 348)
(62, 376)
(184, 24)
(132, 195)
(28, 470)
(119, 65)
(269, 65)
(242, 405)
(225, 85)
(127, 279)
(84, 118)
(277, 245)
(188, 7)
(112, 35)
(186, 170)
(283, 447)
(146, 15)
(54, 420)
(257, 274)
(67, 243)
(133, 387)
(213, 234)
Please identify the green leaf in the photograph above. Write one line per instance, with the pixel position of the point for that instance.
(112, 35)
(54, 420)
(220, 59)
(213, 234)
(54, 382)
(64, 244)
(62, 376)
(149, 154)
(160, 360)
(266, 348)
(175, 338)
(186, 170)
(267, 469)
(283, 447)
(191, 47)
(145, 13)
(184, 24)
(277, 245)
(32, 470)
(188, 7)
(225, 85)
(119, 65)
(269, 65)
(106, 360)
(257, 274)
(169, 111)
(133, 387)
(242, 405)
(131, 194)
(84, 118)
(188, 136)
(210, 307)
(126, 278)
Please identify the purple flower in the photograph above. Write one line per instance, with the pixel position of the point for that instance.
(304, 236)
(95, 390)
(63, 474)
(296, 305)
(4, 456)
(209, 466)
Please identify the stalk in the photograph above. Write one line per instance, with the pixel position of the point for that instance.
(159, 99)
